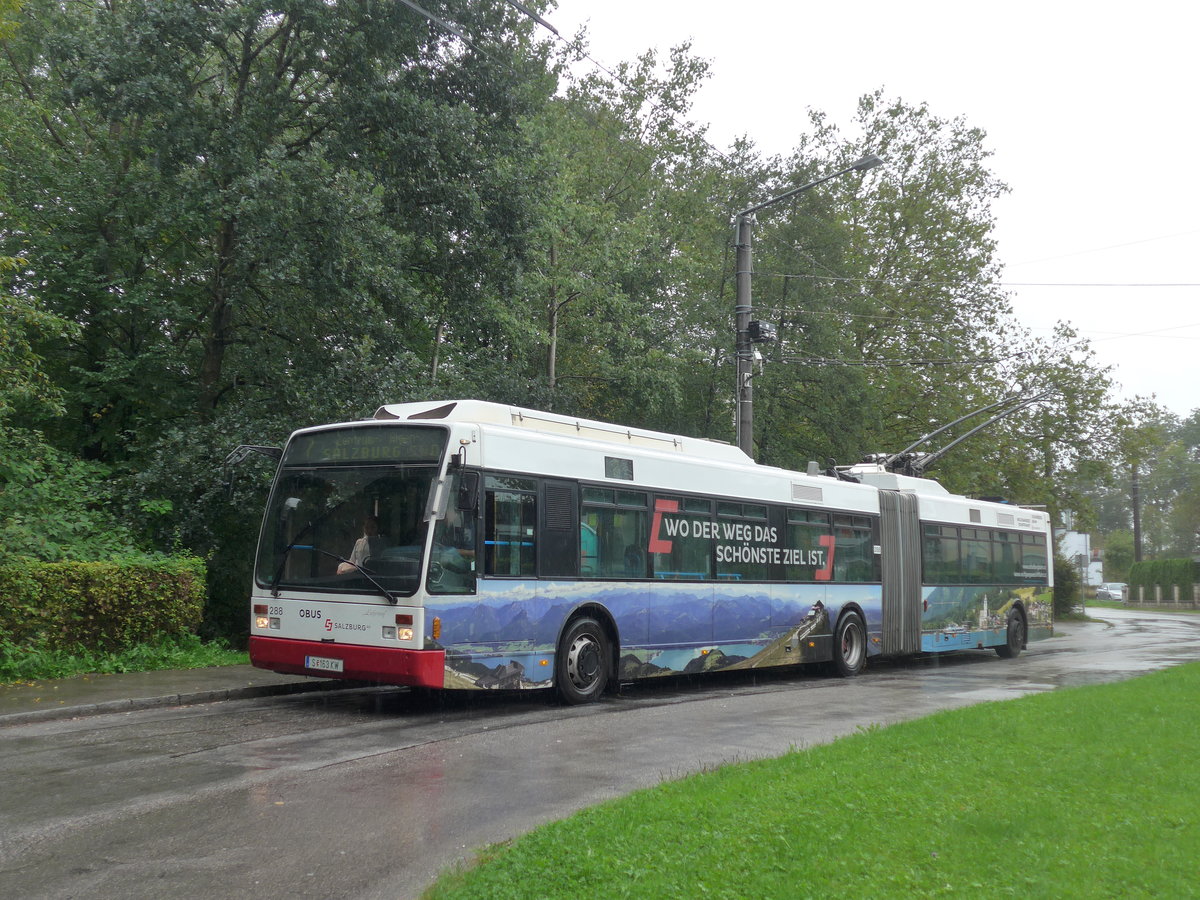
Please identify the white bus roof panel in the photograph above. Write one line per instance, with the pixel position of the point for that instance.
(514, 439)
(483, 413)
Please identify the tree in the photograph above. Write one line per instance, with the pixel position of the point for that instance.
(255, 216)
(614, 252)
(238, 202)
(52, 505)
(1066, 586)
(1118, 556)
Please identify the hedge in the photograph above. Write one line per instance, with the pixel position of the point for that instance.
(99, 605)
(1167, 573)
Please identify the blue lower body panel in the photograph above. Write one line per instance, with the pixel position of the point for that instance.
(505, 635)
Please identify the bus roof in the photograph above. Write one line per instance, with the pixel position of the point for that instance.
(533, 440)
(484, 413)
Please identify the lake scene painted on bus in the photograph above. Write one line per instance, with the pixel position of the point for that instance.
(964, 616)
(504, 636)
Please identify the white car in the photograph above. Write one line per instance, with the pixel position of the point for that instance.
(1111, 590)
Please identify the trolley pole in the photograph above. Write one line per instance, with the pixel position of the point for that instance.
(744, 304)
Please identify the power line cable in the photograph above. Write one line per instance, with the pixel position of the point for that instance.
(1165, 237)
(897, 282)
(444, 25)
(892, 363)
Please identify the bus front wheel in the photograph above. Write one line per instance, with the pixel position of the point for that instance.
(581, 664)
(850, 645)
(1015, 638)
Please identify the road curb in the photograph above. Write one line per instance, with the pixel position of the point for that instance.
(192, 698)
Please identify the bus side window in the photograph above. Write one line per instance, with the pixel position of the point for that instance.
(975, 556)
(941, 556)
(681, 541)
(807, 541)
(749, 530)
(854, 559)
(1004, 556)
(510, 532)
(613, 534)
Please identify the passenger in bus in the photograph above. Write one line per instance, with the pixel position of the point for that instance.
(635, 561)
(370, 544)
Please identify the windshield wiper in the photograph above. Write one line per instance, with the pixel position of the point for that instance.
(391, 598)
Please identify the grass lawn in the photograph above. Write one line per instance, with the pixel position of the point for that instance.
(1088, 792)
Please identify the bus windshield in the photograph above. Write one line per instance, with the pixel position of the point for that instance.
(347, 512)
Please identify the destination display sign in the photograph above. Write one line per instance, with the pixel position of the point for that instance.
(367, 444)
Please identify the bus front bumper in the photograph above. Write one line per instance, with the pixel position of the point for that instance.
(387, 665)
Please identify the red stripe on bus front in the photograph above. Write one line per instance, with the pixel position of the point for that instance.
(390, 665)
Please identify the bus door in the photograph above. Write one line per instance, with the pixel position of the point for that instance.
(900, 537)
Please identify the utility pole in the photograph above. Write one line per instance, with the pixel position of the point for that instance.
(750, 332)
(1135, 491)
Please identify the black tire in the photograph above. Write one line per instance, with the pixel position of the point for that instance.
(849, 645)
(1015, 638)
(581, 666)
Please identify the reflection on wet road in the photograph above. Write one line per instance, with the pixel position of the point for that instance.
(370, 793)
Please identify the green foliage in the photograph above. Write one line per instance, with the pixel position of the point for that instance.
(8, 17)
(237, 219)
(1066, 586)
(254, 219)
(881, 813)
(1166, 574)
(1154, 451)
(38, 662)
(103, 606)
(24, 386)
(54, 506)
(1118, 556)
(184, 479)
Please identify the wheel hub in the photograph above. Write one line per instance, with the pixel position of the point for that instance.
(583, 661)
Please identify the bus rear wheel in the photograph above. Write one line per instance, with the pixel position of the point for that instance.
(1015, 638)
(849, 645)
(582, 662)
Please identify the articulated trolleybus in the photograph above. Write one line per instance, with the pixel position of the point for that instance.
(481, 546)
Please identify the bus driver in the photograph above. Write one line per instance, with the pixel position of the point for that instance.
(370, 544)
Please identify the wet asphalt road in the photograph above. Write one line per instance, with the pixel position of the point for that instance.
(371, 793)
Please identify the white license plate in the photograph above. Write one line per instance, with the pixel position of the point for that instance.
(323, 663)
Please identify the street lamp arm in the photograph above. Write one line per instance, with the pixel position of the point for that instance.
(869, 161)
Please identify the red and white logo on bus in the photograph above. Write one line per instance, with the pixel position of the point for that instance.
(825, 573)
(658, 544)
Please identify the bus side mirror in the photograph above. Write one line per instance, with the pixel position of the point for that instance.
(468, 491)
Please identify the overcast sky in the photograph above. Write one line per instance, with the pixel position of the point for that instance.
(1091, 110)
